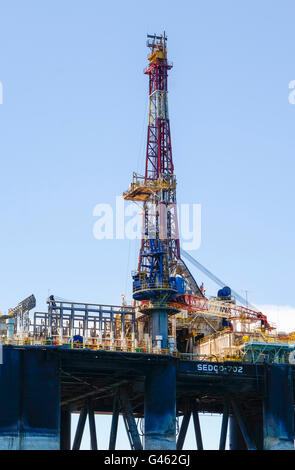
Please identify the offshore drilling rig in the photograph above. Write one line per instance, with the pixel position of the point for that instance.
(173, 353)
(171, 313)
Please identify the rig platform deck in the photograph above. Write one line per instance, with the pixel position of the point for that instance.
(42, 385)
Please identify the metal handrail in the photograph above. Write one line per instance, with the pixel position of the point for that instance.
(154, 285)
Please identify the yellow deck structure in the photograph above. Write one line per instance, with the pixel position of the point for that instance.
(143, 189)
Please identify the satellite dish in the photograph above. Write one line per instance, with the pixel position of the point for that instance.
(292, 357)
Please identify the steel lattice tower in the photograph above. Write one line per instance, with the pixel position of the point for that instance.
(157, 188)
(160, 218)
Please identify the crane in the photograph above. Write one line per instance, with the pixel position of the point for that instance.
(218, 308)
(214, 278)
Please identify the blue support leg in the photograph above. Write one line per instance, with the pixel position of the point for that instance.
(65, 429)
(197, 427)
(278, 412)
(224, 426)
(244, 426)
(183, 430)
(80, 429)
(30, 400)
(92, 428)
(236, 440)
(115, 421)
(160, 408)
(160, 328)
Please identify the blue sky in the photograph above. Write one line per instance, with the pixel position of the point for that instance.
(72, 131)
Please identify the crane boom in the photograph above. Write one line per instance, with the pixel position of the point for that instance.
(214, 278)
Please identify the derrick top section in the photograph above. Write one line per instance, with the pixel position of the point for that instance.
(157, 44)
(158, 53)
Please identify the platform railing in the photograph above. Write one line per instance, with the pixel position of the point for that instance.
(101, 347)
(135, 349)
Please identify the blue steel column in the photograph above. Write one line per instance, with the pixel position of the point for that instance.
(278, 412)
(183, 430)
(65, 429)
(92, 427)
(197, 427)
(236, 440)
(80, 429)
(224, 426)
(243, 422)
(29, 400)
(160, 408)
(115, 420)
(160, 327)
(254, 431)
(255, 425)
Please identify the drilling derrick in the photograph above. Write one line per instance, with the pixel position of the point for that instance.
(161, 274)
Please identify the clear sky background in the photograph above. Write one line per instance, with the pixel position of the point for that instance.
(72, 131)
